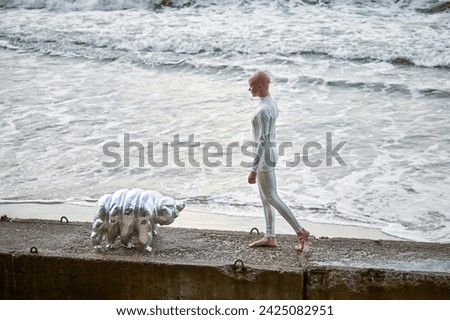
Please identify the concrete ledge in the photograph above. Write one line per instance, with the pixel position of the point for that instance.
(200, 264)
(371, 284)
(6, 276)
(47, 277)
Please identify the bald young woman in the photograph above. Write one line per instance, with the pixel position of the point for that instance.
(263, 168)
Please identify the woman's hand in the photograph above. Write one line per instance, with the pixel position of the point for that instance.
(252, 177)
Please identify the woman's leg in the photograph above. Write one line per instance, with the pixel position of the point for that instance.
(269, 214)
(268, 186)
(269, 239)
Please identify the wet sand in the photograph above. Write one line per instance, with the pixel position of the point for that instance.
(192, 218)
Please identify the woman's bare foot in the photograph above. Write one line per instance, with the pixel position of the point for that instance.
(264, 242)
(302, 238)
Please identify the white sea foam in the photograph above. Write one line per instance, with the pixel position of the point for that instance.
(384, 33)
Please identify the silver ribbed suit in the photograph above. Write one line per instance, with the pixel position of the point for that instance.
(266, 156)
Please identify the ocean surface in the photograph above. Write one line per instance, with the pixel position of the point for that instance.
(92, 90)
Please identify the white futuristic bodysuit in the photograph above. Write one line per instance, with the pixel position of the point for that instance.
(264, 122)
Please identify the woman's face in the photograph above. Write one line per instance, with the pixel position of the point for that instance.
(254, 88)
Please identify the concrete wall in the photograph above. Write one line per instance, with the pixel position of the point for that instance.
(27, 276)
(348, 283)
(36, 276)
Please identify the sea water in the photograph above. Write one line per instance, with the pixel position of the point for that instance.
(88, 86)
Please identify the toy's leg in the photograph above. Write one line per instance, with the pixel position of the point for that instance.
(100, 225)
(113, 231)
(98, 230)
(155, 230)
(126, 228)
(145, 236)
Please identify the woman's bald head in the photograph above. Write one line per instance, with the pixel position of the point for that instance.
(259, 84)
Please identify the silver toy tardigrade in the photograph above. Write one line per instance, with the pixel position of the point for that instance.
(126, 213)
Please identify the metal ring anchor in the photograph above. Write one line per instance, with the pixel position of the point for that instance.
(242, 268)
(33, 250)
(64, 218)
(257, 231)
